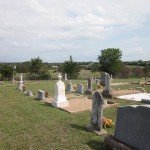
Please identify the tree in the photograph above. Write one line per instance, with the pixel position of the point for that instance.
(23, 67)
(6, 72)
(71, 68)
(38, 69)
(110, 60)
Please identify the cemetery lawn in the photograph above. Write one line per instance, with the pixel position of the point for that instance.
(28, 124)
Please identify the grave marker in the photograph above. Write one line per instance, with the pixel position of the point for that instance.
(97, 114)
(80, 89)
(60, 99)
(41, 95)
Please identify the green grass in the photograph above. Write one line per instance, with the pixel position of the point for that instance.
(28, 124)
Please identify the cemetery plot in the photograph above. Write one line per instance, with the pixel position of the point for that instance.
(79, 103)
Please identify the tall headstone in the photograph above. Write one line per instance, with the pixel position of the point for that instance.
(97, 114)
(13, 79)
(60, 99)
(20, 84)
(66, 76)
(89, 89)
(97, 111)
(107, 83)
(80, 89)
(103, 78)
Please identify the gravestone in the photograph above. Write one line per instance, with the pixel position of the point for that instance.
(60, 99)
(107, 83)
(41, 95)
(70, 87)
(133, 126)
(80, 89)
(103, 78)
(20, 84)
(65, 76)
(29, 93)
(147, 101)
(97, 82)
(13, 79)
(89, 89)
(97, 114)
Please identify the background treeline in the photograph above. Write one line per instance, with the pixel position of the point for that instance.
(129, 69)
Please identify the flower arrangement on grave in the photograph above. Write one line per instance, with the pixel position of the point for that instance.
(74, 87)
(107, 122)
(23, 88)
(99, 87)
(46, 94)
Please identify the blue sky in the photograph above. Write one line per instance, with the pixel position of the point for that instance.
(56, 29)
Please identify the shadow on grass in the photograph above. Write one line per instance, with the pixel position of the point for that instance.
(96, 145)
(79, 127)
(46, 104)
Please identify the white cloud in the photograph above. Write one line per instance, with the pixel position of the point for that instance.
(47, 24)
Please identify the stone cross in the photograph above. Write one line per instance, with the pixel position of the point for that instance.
(97, 111)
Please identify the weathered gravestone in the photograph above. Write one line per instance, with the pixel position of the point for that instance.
(103, 78)
(97, 114)
(133, 126)
(107, 83)
(70, 87)
(41, 95)
(80, 89)
(89, 89)
(29, 93)
(60, 99)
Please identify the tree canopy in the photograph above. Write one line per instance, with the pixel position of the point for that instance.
(110, 60)
(6, 72)
(71, 68)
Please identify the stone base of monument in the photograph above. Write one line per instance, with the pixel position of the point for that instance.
(89, 92)
(116, 144)
(107, 94)
(60, 104)
(93, 129)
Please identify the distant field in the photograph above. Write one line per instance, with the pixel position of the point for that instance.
(28, 124)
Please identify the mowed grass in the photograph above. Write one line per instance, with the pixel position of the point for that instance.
(28, 124)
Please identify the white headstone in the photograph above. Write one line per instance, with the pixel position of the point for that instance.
(13, 79)
(21, 77)
(66, 76)
(20, 84)
(60, 99)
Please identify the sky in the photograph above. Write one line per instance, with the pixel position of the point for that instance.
(55, 29)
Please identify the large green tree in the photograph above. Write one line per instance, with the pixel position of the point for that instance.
(110, 60)
(38, 69)
(6, 72)
(71, 68)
